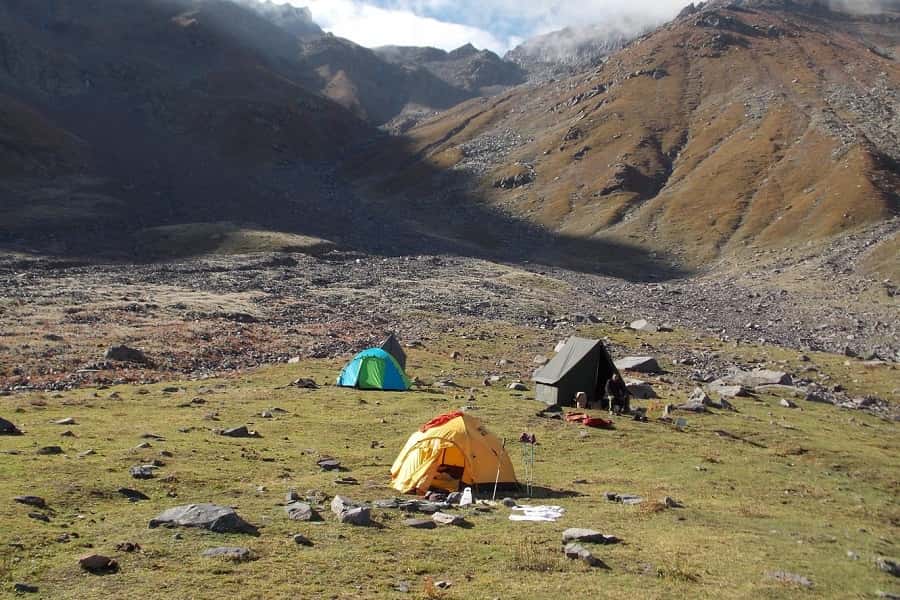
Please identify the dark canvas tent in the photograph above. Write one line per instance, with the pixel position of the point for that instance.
(393, 347)
(582, 365)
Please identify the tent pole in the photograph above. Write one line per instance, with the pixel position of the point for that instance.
(497, 478)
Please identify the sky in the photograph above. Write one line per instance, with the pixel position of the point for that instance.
(497, 25)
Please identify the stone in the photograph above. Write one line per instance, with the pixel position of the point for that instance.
(25, 588)
(517, 386)
(302, 540)
(387, 504)
(66, 421)
(133, 495)
(219, 519)
(787, 403)
(86, 453)
(98, 564)
(579, 552)
(7, 428)
(670, 502)
(454, 497)
(49, 450)
(697, 407)
(757, 378)
(510, 502)
(143, 446)
(785, 577)
(35, 501)
(240, 432)
(39, 517)
(575, 534)
(125, 354)
(640, 390)
(638, 364)
(361, 516)
(442, 518)
(728, 391)
(328, 463)
(141, 472)
(888, 566)
(301, 511)
(643, 325)
(419, 523)
(128, 547)
(233, 553)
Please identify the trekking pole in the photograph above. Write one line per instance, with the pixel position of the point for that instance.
(497, 478)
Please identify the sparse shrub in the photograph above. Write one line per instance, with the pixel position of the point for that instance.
(529, 555)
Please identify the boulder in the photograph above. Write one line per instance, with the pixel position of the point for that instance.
(233, 553)
(728, 391)
(638, 364)
(240, 432)
(35, 501)
(142, 472)
(419, 523)
(579, 552)
(219, 519)
(98, 564)
(641, 390)
(356, 516)
(301, 511)
(133, 495)
(757, 378)
(574, 534)
(7, 428)
(125, 354)
(643, 325)
(442, 518)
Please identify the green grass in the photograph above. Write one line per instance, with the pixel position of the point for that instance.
(824, 482)
(191, 239)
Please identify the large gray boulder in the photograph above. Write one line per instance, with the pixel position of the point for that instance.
(219, 519)
(578, 552)
(638, 364)
(757, 378)
(350, 512)
(301, 511)
(7, 428)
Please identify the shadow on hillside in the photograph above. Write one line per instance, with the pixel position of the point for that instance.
(166, 166)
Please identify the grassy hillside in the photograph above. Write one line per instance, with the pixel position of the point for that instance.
(805, 488)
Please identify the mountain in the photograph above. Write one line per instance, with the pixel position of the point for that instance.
(570, 50)
(480, 72)
(116, 116)
(739, 127)
(296, 20)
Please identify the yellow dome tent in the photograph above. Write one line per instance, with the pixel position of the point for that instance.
(451, 451)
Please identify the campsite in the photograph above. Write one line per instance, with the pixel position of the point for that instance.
(772, 502)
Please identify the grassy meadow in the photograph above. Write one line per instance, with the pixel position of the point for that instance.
(797, 492)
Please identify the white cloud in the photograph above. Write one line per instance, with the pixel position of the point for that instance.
(494, 24)
(372, 26)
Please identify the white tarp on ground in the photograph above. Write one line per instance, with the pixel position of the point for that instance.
(536, 513)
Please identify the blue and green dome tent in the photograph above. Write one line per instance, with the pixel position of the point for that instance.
(374, 369)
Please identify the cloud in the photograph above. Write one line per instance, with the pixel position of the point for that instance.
(370, 25)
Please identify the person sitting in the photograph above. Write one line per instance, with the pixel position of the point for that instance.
(617, 395)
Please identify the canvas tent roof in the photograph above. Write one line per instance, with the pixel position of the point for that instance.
(393, 347)
(571, 354)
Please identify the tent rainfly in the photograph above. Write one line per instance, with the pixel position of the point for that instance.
(393, 347)
(450, 452)
(374, 369)
(582, 365)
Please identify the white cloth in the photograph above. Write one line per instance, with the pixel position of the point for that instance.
(537, 513)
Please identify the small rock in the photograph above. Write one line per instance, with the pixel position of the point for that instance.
(133, 495)
(39, 517)
(419, 523)
(7, 428)
(24, 588)
(143, 446)
(49, 450)
(442, 518)
(98, 564)
(787, 403)
(327, 463)
(86, 453)
(141, 472)
(302, 540)
(888, 566)
(517, 386)
(300, 511)
(356, 516)
(128, 547)
(233, 553)
(672, 502)
(66, 421)
(574, 534)
(240, 432)
(579, 552)
(643, 325)
(509, 502)
(785, 577)
(35, 501)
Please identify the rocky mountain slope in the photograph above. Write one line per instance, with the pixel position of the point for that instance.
(737, 128)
